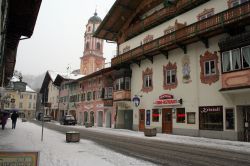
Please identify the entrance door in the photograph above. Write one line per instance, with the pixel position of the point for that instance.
(167, 126)
(246, 115)
(100, 118)
(141, 120)
(128, 119)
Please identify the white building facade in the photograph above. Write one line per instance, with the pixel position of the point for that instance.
(190, 73)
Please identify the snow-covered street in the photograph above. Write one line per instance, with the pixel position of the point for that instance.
(54, 151)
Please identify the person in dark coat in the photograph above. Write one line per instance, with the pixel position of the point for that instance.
(14, 117)
(4, 120)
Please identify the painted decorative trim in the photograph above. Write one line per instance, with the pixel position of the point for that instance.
(186, 78)
(209, 79)
(148, 71)
(169, 66)
(176, 26)
(148, 38)
(205, 12)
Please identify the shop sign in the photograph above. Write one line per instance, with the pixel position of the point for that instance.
(167, 99)
(166, 96)
(19, 158)
(206, 109)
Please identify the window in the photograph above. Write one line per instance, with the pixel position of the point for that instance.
(34, 105)
(87, 45)
(233, 3)
(190, 117)
(147, 76)
(245, 51)
(230, 119)
(209, 67)
(89, 96)
(20, 105)
(211, 118)
(30, 96)
(94, 95)
(108, 92)
(147, 81)
(180, 113)
(98, 46)
(155, 115)
(231, 60)
(119, 84)
(34, 97)
(21, 96)
(171, 76)
(127, 83)
(89, 28)
(29, 105)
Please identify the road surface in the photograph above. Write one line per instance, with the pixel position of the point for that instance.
(160, 152)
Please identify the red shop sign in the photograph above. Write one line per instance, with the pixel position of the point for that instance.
(166, 96)
(167, 101)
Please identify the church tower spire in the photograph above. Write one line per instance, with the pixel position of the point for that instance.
(92, 59)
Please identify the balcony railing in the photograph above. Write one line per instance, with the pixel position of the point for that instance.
(186, 35)
(162, 15)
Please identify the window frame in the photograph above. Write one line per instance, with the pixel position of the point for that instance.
(156, 115)
(226, 118)
(242, 65)
(178, 119)
(188, 118)
(209, 70)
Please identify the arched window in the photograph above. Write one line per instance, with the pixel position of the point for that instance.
(87, 45)
(98, 46)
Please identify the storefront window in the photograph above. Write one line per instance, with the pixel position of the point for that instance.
(211, 118)
(191, 117)
(230, 119)
(156, 115)
(180, 112)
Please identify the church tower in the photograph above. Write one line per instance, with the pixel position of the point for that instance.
(92, 59)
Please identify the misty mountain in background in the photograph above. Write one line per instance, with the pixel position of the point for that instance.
(35, 82)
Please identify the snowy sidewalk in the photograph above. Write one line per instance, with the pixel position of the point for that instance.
(54, 151)
(199, 141)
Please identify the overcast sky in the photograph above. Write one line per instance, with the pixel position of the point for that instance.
(57, 41)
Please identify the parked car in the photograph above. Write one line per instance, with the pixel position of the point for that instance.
(46, 118)
(68, 120)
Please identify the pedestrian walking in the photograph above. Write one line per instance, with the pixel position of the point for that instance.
(14, 117)
(4, 119)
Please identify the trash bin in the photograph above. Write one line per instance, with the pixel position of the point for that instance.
(72, 136)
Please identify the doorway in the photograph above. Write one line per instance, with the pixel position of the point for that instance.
(108, 119)
(128, 119)
(167, 124)
(100, 118)
(141, 119)
(85, 117)
(92, 118)
(246, 118)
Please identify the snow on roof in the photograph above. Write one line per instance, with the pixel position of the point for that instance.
(71, 76)
(28, 89)
(15, 79)
(53, 75)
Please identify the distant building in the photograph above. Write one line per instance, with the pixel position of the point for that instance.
(22, 101)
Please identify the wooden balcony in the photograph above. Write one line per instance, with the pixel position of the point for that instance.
(235, 80)
(163, 15)
(122, 95)
(199, 31)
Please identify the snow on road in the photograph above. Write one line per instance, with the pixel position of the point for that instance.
(54, 151)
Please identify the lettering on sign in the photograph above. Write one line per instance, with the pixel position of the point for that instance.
(206, 109)
(166, 96)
